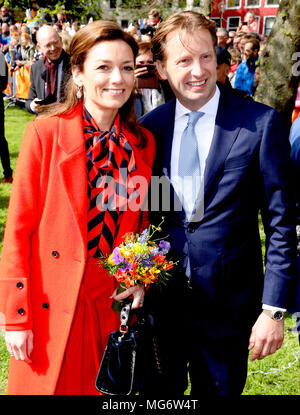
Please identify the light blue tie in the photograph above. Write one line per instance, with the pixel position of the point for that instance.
(189, 163)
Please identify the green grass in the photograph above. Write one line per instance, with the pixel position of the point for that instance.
(280, 381)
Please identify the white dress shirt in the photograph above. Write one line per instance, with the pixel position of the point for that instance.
(204, 130)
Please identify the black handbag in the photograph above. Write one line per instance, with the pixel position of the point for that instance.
(117, 368)
(131, 356)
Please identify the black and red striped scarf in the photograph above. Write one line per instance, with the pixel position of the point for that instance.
(110, 159)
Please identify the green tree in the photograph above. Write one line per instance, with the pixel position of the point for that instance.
(279, 70)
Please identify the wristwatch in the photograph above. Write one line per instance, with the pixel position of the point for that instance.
(276, 315)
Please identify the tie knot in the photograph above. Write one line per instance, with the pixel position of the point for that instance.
(194, 117)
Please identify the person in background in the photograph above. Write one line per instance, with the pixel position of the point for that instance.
(24, 53)
(4, 37)
(152, 95)
(234, 63)
(6, 16)
(152, 24)
(245, 72)
(66, 41)
(223, 66)
(249, 24)
(222, 37)
(56, 298)
(231, 36)
(49, 75)
(4, 151)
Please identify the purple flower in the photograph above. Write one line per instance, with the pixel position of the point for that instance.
(125, 267)
(117, 257)
(165, 246)
(143, 237)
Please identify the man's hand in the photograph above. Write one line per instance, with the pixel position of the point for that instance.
(266, 337)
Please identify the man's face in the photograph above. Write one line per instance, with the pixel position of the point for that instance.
(190, 66)
(5, 28)
(50, 45)
(222, 72)
(250, 54)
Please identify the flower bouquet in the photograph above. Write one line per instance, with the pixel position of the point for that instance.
(139, 260)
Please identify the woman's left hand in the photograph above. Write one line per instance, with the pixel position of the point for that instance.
(138, 293)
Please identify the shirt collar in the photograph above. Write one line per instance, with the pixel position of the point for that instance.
(211, 107)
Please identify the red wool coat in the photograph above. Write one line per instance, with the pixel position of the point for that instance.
(45, 245)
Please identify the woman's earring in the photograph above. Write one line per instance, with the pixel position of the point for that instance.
(79, 92)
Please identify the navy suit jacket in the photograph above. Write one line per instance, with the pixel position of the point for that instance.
(247, 171)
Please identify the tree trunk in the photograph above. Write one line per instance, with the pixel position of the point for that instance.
(205, 6)
(279, 71)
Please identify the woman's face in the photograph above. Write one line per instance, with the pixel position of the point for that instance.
(107, 77)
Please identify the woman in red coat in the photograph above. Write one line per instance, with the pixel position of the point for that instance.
(80, 184)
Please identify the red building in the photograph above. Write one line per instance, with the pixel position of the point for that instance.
(230, 13)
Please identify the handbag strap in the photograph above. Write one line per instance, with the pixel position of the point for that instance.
(124, 316)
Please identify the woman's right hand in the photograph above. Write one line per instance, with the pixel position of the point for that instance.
(19, 344)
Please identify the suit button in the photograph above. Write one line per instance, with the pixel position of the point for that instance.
(190, 229)
(21, 311)
(20, 285)
(45, 305)
(55, 254)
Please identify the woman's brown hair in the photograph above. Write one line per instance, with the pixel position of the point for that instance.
(81, 43)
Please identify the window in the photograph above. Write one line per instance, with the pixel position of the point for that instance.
(233, 4)
(268, 24)
(217, 20)
(252, 3)
(124, 23)
(272, 3)
(112, 4)
(233, 23)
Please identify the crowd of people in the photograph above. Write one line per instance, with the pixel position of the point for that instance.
(224, 157)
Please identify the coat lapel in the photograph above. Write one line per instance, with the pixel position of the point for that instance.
(73, 168)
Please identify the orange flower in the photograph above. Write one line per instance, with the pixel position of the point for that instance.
(160, 259)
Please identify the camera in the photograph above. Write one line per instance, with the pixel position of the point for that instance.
(148, 79)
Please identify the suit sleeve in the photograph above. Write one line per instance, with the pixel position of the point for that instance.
(278, 213)
(32, 90)
(15, 307)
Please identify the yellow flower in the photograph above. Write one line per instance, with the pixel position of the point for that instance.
(139, 249)
(110, 260)
(126, 253)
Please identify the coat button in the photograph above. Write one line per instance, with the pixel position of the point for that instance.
(45, 305)
(21, 311)
(190, 229)
(55, 254)
(20, 285)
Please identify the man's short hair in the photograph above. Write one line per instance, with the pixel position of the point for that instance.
(188, 21)
(255, 43)
(222, 31)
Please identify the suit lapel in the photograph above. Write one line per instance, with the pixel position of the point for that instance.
(228, 124)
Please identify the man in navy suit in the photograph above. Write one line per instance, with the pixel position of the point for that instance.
(219, 304)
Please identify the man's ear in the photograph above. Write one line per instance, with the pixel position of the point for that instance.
(161, 70)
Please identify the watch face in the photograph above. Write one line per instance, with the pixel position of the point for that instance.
(278, 315)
